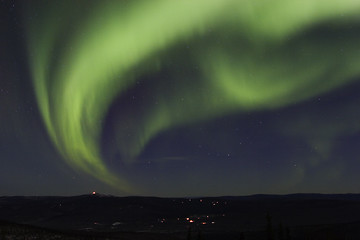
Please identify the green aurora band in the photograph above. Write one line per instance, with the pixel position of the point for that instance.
(251, 56)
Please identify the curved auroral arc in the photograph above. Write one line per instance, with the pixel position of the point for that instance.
(82, 59)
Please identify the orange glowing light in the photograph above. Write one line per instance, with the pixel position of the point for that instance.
(93, 193)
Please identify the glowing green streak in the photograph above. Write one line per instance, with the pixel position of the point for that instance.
(117, 41)
(94, 69)
(263, 74)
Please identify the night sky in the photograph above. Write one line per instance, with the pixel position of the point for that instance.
(179, 98)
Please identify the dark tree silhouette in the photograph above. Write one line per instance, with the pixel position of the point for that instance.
(269, 230)
(189, 234)
(242, 236)
(288, 236)
(281, 232)
(199, 237)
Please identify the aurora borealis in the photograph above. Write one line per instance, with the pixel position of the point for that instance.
(174, 98)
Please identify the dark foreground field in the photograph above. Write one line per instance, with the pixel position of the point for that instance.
(297, 216)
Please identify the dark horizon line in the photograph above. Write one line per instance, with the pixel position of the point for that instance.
(191, 197)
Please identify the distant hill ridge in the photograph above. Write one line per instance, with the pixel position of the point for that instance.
(254, 196)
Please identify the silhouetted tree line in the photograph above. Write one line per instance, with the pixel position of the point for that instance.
(281, 235)
(199, 235)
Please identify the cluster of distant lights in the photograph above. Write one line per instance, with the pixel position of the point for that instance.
(192, 219)
(203, 220)
(214, 203)
(199, 218)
